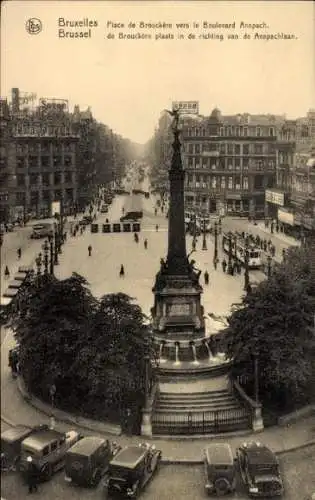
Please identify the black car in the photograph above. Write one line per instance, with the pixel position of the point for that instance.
(131, 469)
(259, 468)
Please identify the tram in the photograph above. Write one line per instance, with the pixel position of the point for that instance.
(238, 250)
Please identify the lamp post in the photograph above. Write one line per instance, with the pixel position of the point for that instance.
(204, 241)
(56, 248)
(51, 261)
(46, 250)
(38, 262)
(229, 269)
(256, 373)
(269, 260)
(246, 274)
(52, 392)
(215, 256)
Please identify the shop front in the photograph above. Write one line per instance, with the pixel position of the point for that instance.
(274, 198)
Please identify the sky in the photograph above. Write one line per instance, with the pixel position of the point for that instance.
(128, 82)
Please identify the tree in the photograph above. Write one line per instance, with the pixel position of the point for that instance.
(93, 351)
(275, 322)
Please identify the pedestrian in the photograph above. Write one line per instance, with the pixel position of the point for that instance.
(193, 244)
(136, 237)
(122, 271)
(6, 273)
(31, 475)
(145, 244)
(277, 227)
(248, 288)
(271, 227)
(224, 264)
(206, 277)
(19, 253)
(215, 263)
(90, 250)
(283, 254)
(239, 268)
(157, 227)
(155, 211)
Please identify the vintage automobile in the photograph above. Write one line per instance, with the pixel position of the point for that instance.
(86, 220)
(11, 442)
(104, 209)
(131, 469)
(87, 461)
(43, 230)
(259, 469)
(220, 470)
(47, 448)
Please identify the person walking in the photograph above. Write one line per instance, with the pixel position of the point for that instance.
(19, 253)
(31, 475)
(6, 273)
(215, 263)
(206, 277)
(145, 244)
(157, 227)
(122, 271)
(90, 250)
(224, 265)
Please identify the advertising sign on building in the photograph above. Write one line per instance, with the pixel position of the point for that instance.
(186, 107)
(55, 208)
(53, 106)
(275, 197)
(26, 98)
(286, 217)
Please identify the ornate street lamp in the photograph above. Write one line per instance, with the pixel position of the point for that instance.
(56, 248)
(229, 269)
(269, 260)
(51, 261)
(215, 256)
(256, 373)
(38, 262)
(204, 241)
(46, 250)
(246, 275)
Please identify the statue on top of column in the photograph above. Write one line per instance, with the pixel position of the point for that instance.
(175, 114)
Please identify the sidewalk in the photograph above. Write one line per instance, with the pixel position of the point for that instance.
(288, 240)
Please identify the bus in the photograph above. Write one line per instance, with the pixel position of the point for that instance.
(238, 250)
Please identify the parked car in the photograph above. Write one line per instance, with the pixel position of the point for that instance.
(260, 471)
(220, 470)
(131, 469)
(87, 461)
(85, 221)
(41, 231)
(47, 449)
(104, 209)
(11, 442)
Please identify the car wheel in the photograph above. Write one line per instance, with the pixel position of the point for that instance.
(222, 486)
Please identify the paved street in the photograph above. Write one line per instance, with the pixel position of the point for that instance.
(175, 482)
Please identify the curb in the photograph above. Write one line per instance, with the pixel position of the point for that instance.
(61, 416)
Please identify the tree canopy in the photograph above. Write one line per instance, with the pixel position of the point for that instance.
(93, 351)
(276, 323)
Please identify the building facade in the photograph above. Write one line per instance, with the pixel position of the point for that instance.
(230, 161)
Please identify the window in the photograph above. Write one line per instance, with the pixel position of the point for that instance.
(245, 182)
(245, 163)
(33, 179)
(237, 131)
(237, 162)
(197, 149)
(222, 148)
(223, 182)
(213, 166)
(245, 131)
(68, 161)
(46, 450)
(230, 182)
(190, 148)
(197, 161)
(203, 132)
(214, 182)
(53, 446)
(237, 149)
(237, 183)
(204, 162)
(190, 162)
(230, 163)
(258, 131)
(258, 149)
(20, 180)
(57, 161)
(271, 131)
(33, 161)
(57, 179)
(68, 177)
(45, 161)
(230, 148)
(20, 149)
(197, 132)
(229, 131)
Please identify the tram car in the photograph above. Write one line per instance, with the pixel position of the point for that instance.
(238, 249)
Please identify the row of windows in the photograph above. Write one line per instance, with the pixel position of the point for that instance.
(45, 161)
(42, 130)
(213, 182)
(44, 147)
(45, 179)
(45, 195)
(229, 164)
(232, 131)
(229, 148)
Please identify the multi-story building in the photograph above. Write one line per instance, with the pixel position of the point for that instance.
(230, 160)
(40, 158)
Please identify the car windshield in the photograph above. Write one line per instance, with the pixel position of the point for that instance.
(121, 472)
